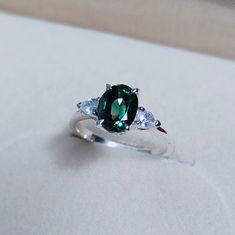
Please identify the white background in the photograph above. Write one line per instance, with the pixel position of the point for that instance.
(52, 183)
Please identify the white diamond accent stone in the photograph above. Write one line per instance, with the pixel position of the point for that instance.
(89, 107)
(145, 119)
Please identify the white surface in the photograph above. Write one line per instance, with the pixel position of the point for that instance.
(51, 183)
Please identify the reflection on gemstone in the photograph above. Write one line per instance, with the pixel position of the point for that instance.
(117, 108)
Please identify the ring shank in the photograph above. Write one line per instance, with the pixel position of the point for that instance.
(150, 141)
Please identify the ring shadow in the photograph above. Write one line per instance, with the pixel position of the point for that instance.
(70, 152)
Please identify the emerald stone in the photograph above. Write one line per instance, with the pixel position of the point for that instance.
(117, 108)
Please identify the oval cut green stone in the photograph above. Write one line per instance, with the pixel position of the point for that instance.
(117, 108)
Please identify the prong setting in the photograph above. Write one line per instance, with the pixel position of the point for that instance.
(141, 108)
(99, 122)
(157, 123)
(135, 90)
(79, 105)
(108, 86)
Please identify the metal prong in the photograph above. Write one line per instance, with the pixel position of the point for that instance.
(141, 108)
(135, 90)
(127, 128)
(108, 87)
(157, 123)
(99, 122)
(161, 129)
(79, 105)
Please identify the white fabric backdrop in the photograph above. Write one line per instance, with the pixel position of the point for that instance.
(51, 183)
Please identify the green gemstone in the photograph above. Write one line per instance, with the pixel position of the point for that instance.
(117, 108)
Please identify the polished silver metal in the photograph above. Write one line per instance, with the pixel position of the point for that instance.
(135, 90)
(149, 141)
(108, 86)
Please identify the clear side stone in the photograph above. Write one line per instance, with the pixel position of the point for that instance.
(89, 107)
(145, 119)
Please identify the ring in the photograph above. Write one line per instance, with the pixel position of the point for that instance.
(116, 120)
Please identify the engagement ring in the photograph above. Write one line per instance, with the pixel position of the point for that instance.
(116, 120)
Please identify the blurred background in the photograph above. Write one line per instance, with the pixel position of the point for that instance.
(206, 26)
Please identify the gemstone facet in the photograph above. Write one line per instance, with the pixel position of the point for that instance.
(89, 106)
(145, 119)
(117, 108)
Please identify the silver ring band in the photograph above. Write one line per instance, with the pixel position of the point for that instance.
(150, 141)
(116, 120)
